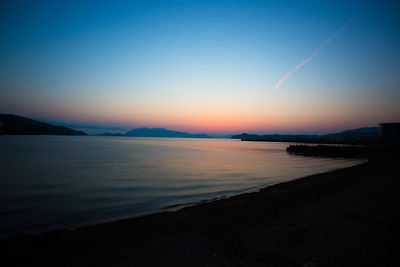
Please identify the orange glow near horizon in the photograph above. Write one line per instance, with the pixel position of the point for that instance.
(278, 112)
(213, 122)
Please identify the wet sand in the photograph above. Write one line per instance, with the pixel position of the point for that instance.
(348, 217)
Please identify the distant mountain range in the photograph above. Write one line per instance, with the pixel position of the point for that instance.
(17, 125)
(157, 132)
(347, 136)
(355, 133)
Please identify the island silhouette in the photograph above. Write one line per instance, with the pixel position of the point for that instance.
(157, 132)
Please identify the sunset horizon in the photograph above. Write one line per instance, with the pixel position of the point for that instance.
(218, 67)
(114, 127)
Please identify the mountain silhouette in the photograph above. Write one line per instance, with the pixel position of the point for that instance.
(17, 125)
(161, 132)
(365, 135)
(356, 133)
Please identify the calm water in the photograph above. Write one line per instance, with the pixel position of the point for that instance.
(49, 182)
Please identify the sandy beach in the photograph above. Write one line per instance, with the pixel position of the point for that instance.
(347, 217)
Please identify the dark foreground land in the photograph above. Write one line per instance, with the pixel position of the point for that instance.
(349, 217)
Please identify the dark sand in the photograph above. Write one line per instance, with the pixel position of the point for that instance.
(349, 217)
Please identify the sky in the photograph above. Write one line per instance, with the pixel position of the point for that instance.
(202, 66)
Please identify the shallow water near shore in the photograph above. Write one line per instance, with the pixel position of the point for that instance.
(50, 182)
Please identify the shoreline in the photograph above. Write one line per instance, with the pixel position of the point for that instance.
(280, 225)
(179, 206)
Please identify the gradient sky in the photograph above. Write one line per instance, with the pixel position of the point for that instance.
(202, 66)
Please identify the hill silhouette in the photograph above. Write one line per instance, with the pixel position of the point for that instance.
(356, 133)
(17, 125)
(161, 132)
(156, 132)
(365, 134)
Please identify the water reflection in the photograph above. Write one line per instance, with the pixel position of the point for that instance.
(58, 181)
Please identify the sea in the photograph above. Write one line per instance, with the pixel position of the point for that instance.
(55, 182)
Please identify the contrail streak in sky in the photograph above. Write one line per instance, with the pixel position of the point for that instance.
(316, 52)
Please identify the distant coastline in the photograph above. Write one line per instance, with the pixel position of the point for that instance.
(365, 135)
(387, 132)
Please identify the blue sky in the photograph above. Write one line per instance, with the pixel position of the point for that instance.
(208, 66)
